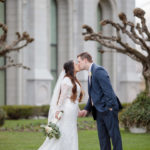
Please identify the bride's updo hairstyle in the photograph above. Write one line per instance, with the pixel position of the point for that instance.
(69, 70)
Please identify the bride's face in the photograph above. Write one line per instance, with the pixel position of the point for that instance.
(76, 67)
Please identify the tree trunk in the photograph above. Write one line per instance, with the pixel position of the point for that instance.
(146, 74)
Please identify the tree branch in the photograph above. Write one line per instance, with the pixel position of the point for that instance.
(132, 34)
(21, 41)
(107, 42)
(138, 33)
(13, 65)
(139, 13)
(12, 47)
(4, 35)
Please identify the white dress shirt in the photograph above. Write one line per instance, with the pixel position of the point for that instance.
(89, 73)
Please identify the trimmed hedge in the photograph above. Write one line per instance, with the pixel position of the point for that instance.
(28, 111)
(25, 111)
(41, 110)
(45, 110)
(2, 116)
(81, 106)
(138, 113)
(18, 111)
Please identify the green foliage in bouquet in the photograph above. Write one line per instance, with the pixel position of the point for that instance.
(55, 132)
(2, 116)
(138, 113)
(51, 130)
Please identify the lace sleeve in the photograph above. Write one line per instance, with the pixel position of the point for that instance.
(66, 88)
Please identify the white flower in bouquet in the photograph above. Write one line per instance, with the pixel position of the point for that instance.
(48, 129)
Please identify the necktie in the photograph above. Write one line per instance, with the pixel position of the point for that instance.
(89, 77)
(90, 74)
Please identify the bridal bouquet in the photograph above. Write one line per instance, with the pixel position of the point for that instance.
(52, 130)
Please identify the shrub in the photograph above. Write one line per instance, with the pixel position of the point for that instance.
(41, 110)
(138, 113)
(81, 106)
(25, 111)
(18, 111)
(36, 111)
(2, 116)
(45, 110)
(125, 105)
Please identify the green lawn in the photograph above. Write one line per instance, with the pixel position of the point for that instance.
(88, 140)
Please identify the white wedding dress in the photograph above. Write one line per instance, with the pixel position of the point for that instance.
(68, 122)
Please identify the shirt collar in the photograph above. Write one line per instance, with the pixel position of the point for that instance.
(90, 67)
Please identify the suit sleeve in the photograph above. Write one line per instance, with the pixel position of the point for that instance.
(88, 106)
(105, 84)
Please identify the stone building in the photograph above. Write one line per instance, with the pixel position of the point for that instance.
(56, 26)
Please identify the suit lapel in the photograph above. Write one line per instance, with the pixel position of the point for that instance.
(88, 86)
(92, 70)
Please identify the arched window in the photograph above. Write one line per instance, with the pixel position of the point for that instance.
(2, 61)
(99, 14)
(54, 46)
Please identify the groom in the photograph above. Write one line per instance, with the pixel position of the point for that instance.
(102, 102)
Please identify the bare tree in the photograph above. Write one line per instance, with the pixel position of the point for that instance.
(21, 41)
(137, 32)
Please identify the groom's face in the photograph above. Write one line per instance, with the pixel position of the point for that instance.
(81, 63)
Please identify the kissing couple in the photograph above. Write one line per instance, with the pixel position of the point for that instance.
(102, 102)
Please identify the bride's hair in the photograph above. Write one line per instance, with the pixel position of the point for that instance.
(69, 70)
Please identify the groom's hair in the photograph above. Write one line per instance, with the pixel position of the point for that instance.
(85, 55)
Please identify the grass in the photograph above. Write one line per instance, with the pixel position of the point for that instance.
(88, 139)
(33, 125)
(20, 140)
(14, 124)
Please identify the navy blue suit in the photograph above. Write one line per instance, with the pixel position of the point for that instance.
(105, 108)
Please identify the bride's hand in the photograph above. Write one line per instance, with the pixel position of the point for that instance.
(56, 115)
(82, 113)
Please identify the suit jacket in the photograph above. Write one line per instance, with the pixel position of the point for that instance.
(100, 91)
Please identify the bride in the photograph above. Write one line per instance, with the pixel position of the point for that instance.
(66, 95)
